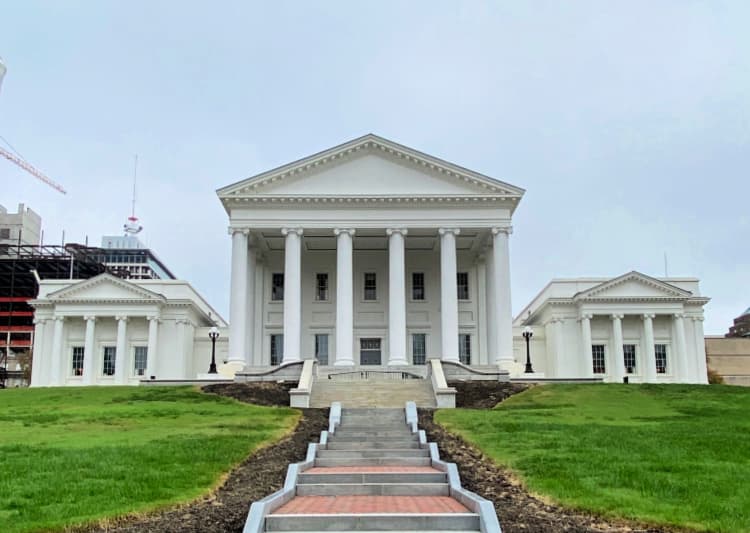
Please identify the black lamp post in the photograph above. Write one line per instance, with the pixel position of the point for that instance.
(213, 334)
(527, 334)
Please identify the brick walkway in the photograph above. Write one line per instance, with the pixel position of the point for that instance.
(371, 504)
(372, 470)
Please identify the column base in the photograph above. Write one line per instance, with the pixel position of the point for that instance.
(511, 366)
(230, 368)
(344, 362)
(398, 362)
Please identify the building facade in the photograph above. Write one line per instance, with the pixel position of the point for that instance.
(22, 228)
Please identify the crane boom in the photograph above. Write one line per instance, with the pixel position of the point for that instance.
(30, 169)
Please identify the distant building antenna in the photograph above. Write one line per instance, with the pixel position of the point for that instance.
(132, 227)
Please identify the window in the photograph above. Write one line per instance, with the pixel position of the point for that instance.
(629, 351)
(110, 353)
(464, 348)
(369, 351)
(462, 279)
(140, 356)
(77, 360)
(321, 287)
(277, 349)
(321, 348)
(277, 287)
(661, 358)
(4, 233)
(417, 286)
(597, 353)
(371, 286)
(418, 349)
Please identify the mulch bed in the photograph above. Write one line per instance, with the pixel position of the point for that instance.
(258, 476)
(517, 510)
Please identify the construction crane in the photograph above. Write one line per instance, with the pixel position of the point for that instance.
(17, 159)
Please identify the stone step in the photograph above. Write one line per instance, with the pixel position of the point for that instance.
(342, 454)
(372, 393)
(374, 522)
(374, 428)
(372, 461)
(369, 444)
(347, 434)
(374, 477)
(373, 489)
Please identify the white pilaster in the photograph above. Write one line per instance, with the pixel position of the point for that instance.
(39, 362)
(618, 358)
(586, 344)
(292, 293)
(238, 297)
(344, 297)
(649, 362)
(448, 294)
(250, 302)
(680, 354)
(503, 312)
(89, 357)
(700, 349)
(397, 297)
(153, 346)
(121, 351)
(58, 365)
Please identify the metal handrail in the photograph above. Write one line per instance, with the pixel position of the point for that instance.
(365, 374)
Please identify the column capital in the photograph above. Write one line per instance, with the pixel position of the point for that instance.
(391, 231)
(289, 231)
(617, 316)
(121, 318)
(698, 318)
(502, 229)
(340, 231)
(41, 321)
(679, 315)
(153, 318)
(445, 231)
(586, 316)
(236, 229)
(648, 316)
(89, 318)
(58, 318)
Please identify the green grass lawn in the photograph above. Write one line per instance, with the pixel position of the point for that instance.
(665, 454)
(72, 455)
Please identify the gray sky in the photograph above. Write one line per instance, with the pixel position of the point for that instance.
(627, 122)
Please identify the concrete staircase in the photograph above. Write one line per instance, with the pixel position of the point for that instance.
(371, 393)
(373, 474)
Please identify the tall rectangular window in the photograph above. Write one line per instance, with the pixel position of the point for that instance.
(321, 287)
(597, 353)
(108, 366)
(464, 348)
(417, 286)
(418, 349)
(371, 286)
(277, 286)
(140, 360)
(629, 351)
(462, 280)
(321, 348)
(77, 360)
(660, 350)
(277, 349)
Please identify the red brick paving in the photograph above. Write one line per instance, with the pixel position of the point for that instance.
(371, 504)
(371, 470)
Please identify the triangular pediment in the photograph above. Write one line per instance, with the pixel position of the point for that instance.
(370, 166)
(633, 285)
(105, 287)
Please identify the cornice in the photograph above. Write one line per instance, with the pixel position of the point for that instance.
(671, 292)
(290, 199)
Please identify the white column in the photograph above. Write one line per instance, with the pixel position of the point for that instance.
(292, 294)
(679, 354)
(89, 357)
(344, 297)
(448, 294)
(588, 355)
(250, 303)
(561, 361)
(39, 360)
(503, 311)
(397, 297)
(649, 359)
(482, 309)
(153, 346)
(618, 359)
(700, 350)
(58, 365)
(238, 297)
(121, 351)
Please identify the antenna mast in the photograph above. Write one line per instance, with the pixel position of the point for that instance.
(132, 227)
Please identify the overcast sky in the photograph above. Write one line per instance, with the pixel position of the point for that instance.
(628, 123)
